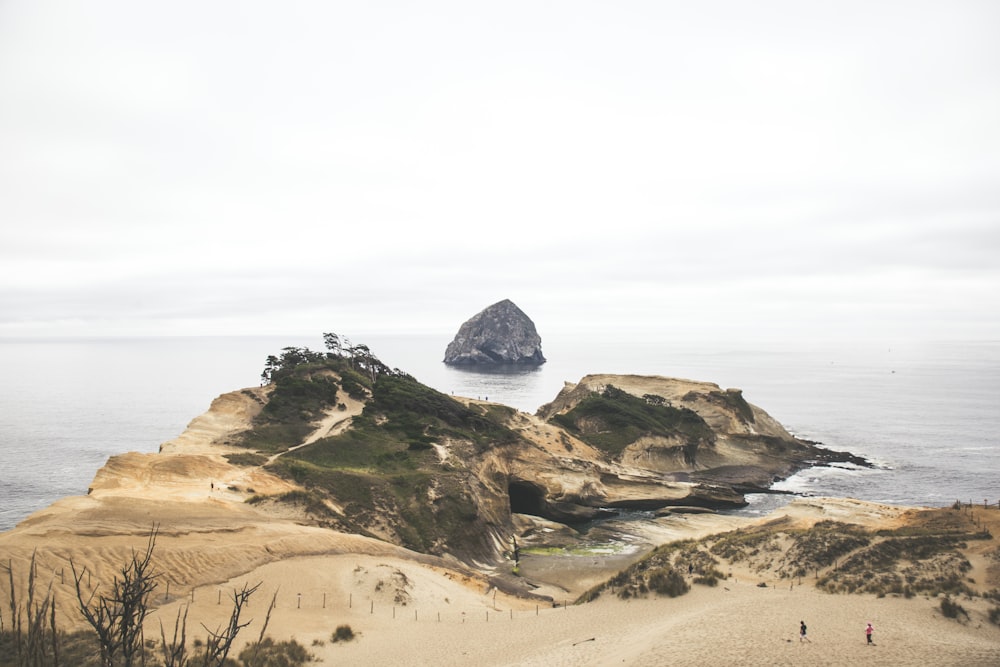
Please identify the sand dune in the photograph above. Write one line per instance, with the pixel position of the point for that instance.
(414, 610)
(410, 615)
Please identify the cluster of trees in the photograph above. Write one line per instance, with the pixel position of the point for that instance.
(339, 349)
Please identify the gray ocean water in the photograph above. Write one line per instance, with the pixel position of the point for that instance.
(927, 414)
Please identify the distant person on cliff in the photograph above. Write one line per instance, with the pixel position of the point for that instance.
(802, 633)
(868, 633)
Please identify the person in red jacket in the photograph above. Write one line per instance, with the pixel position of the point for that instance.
(868, 633)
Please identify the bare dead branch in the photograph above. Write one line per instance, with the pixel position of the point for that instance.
(175, 651)
(221, 641)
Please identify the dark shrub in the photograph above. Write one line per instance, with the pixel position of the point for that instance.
(269, 653)
(707, 580)
(952, 609)
(668, 581)
(343, 633)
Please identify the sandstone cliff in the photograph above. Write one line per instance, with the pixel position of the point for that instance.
(687, 430)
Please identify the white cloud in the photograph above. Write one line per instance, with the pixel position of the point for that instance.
(240, 167)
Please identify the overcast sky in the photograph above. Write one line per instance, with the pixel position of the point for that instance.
(827, 169)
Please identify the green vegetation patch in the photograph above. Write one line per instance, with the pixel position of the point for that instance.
(384, 472)
(425, 510)
(246, 459)
(741, 545)
(614, 419)
(666, 581)
(419, 414)
(928, 564)
(952, 609)
(354, 384)
(398, 428)
(495, 412)
(313, 502)
(269, 653)
(889, 552)
(300, 397)
(661, 572)
(347, 486)
(733, 401)
(274, 438)
(365, 448)
(386, 475)
(821, 546)
(298, 400)
(923, 557)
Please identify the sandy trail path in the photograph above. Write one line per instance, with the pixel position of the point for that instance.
(335, 422)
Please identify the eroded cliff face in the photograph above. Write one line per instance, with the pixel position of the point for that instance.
(687, 430)
(499, 335)
(614, 442)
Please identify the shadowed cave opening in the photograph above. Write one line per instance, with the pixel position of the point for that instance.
(526, 498)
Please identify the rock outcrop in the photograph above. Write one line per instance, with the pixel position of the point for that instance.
(499, 335)
(684, 430)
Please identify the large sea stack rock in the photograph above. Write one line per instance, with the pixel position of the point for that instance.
(500, 335)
